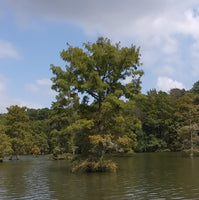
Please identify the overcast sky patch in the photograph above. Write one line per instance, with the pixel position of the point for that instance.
(166, 31)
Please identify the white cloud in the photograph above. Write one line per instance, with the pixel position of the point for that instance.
(155, 25)
(6, 100)
(42, 86)
(44, 82)
(166, 84)
(7, 50)
(140, 18)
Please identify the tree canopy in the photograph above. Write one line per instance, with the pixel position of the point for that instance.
(97, 70)
(99, 83)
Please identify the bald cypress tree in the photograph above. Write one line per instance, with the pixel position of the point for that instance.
(99, 81)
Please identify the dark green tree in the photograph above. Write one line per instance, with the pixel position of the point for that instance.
(39, 131)
(188, 119)
(156, 111)
(176, 93)
(195, 88)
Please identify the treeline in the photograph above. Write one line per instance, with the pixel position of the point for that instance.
(169, 120)
(98, 112)
(24, 131)
(165, 122)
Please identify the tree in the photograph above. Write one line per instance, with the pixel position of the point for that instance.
(188, 118)
(98, 71)
(95, 85)
(5, 144)
(62, 116)
(39, 131)
(38, 114)
(18, 129)
(176, 92)
(156, 111)
(195, 88)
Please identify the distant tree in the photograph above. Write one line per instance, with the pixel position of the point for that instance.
(5, 144)
(39, 131)
(156, 111)
(188, 117)
(195, 88)
(18, 129)
(38, 114)
(176, 93)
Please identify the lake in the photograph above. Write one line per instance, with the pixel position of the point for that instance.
(147, 176)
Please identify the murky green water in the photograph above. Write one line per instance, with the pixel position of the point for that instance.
(144, 176)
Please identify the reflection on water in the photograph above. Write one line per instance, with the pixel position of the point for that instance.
(154, 176)
(24, 179)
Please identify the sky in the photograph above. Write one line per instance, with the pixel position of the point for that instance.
(34, 32)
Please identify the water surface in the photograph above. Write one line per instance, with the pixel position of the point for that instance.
(153, 176)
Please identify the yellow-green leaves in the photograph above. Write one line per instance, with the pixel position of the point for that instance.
(97, 70)
(96, 74)
(5, 146)
(81, 124)
(96, 140)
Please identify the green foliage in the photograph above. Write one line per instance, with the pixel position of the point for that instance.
(5, 146)
(39, 131)
(142, 140)
(156, 144)
(17, 127)
(99, 144)
(97, 111)
(95, 165)
(195, 88)
(127, 144)
(17, 146)
(35, 151)
(41, 141)
(38, 114)
(188, 115)
(62, 115)
(157, 111)
(176, 93)
(97, 72)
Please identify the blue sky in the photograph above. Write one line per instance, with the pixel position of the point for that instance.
(33, 32)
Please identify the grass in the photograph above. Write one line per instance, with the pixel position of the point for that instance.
(94, 165)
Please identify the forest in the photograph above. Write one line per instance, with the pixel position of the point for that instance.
(99, 112)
